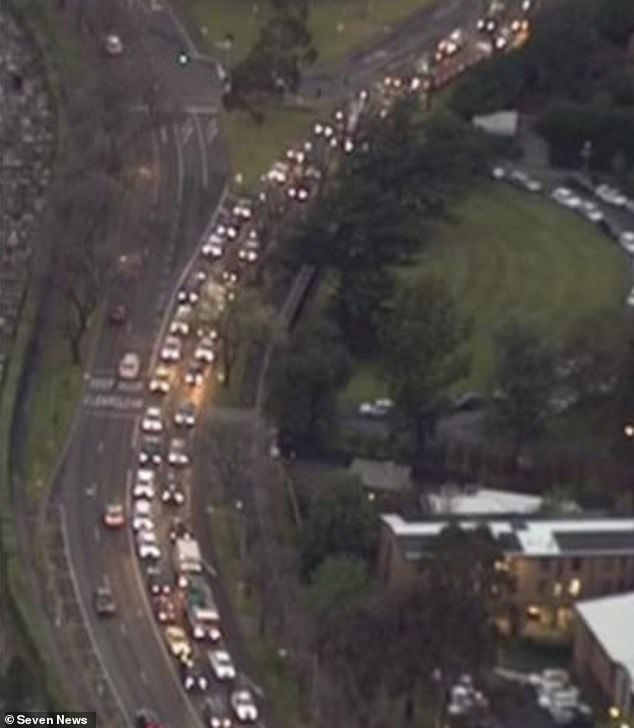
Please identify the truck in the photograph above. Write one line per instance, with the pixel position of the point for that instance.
(187, 558)
(202, 612)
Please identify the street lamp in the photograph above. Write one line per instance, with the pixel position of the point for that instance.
(628, 430)
(586, 155)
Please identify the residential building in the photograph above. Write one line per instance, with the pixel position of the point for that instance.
(471, 500)
(554, 562)
(382, 476)
(604, 652)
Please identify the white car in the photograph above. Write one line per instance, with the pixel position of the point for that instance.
(114, 516)
(142, 516)
(498, 173)
(147, 537)
(205, 351)
(610, 195)
(214, 247)
(533, 185)
(177, 454)
(172, 349)
(113, 45)
(278, 173)
(144, 486)
(178, 643)
(152, 420)
(242, 209)
(178, 327)
(251, 248)
(626, 241)
(379, 408)
(590, 211)
(564, 196)
(185, 415)
(228, 230)
(129, 366)
(160, 381)
(244, 706)
(221, 665)
(630, 298)
(148, 551)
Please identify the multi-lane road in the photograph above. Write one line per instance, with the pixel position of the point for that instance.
(178, 170)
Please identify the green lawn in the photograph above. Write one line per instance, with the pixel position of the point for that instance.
(337, 25)
(254, 147)
(514, 255)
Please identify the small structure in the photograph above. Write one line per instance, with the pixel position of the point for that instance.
(604, 651)
(382, 476)
(500, 123)
(473, 500)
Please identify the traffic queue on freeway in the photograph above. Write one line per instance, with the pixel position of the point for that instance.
(188, 361)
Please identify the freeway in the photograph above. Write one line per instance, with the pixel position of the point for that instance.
(178, 168)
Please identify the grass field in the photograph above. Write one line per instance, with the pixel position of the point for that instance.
(337, 26)
(514, 255)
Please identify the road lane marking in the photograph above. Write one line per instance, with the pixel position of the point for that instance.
(187, 129)
(212, 131)
(144, 678)
(112, 401)
(183, 31)
(91, 490)
(209, 569)
(163, 133)
(84, 614)
(203, 150)
(179, 166)
(130, 387)
(156, 178)
(100, 447)
(135, 433)
(128, 483)
(123, 629)
(97, 533)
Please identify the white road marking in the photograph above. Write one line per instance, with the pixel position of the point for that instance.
(128, 483)
(179, 167)
(183, 31)
(209, 569)
(102, 384)
(187, 129)
(129, 387)
(84, 614)
(253, 685)
(100, 447)
(97, 533)
(144, 678)
(163, 133)
(212, 131)
(112, 401)
(136, 431)
(123, 629)
(203, 150)
(91, 490)
(157, 177)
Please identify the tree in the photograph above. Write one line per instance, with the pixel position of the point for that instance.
(306, 375)
(16, 684)
(247, 322)
(341, 521)
(423, 344)
(525, 375)
(227, 450)
(82, 263)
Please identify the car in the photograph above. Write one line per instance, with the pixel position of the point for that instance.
(564, 196)
(150, 452)
(519, 177)
(498, 173)
(152, 420)
(278, 173)
(244, 706)
(148, 551)
(195, 374)
(533, 185)
(221, 665)
(379, 408)
(242, 209)
(189, 293)
(179, 530)
(228, 230)
(117, 314)
(147, 536)
(113, 45)
(129, 366)
(626, 241)
(193, 678)
(172, 349)
(145, 718)
(590, 211)
(178, 643)
(160, 380)
(164, 608)
(250, 250)
(144, 485)
(157, 582)
(610, 195)
(216, 713)
(178, 327)
(214, 247)
(173, 496)
(185, 415)
(205, 351)
(177, 453)
(114, 515)
(105, 605)
(630, 298)
(142, 515)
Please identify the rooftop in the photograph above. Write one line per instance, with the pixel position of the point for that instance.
(472, 501)
(529, 536)
(610, 620)
(381, 475)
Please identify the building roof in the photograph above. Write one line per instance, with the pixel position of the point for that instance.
(482, 501)
(381, 474)
(610, 620)
(531, 536)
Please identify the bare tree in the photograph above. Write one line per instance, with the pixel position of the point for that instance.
(227, 450)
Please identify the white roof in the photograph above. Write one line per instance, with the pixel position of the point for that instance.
(610, 619)
(482, 501)
(536, 537)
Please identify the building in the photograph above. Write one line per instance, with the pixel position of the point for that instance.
(500, 123)
(473, 500)
(554, 562)
(382, 476)
(604, 651)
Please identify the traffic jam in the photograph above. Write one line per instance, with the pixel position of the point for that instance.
(189, 363)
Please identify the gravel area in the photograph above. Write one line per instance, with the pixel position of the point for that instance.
(27, 142)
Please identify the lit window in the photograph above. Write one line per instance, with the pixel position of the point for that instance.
(557, 589)
(574, 588)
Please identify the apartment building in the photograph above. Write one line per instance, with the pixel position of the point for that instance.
(604, 652)
(554, 562)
